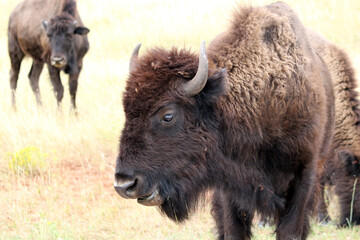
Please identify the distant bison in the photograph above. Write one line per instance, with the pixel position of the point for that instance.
(342, 166)
(50, 32)
(251, 120)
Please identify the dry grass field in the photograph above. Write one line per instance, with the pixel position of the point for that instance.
(56, 171)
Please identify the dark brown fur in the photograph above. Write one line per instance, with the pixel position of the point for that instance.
(62, 38)
(342, 171)
(255, 133)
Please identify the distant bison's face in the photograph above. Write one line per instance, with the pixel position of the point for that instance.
(170, 131)
(60, 32)
(350, 161)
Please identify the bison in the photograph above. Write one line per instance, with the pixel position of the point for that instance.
(342, 166)
(49, 32)
(250, 117)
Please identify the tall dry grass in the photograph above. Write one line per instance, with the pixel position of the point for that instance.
(73, 197)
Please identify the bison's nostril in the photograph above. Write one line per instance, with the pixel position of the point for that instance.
(125, 186)
(60, 61)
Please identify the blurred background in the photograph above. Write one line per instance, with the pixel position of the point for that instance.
(56, 171)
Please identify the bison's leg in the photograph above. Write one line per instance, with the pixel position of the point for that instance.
(34, 75)
(344, 191)
(345, 203)
(294, 220)
(73, 84)
(323, 214)
(237, 221)
(232, 222)
(56, 82)
(217, 212)
(16, 56)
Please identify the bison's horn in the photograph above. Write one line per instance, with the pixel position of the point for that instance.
(195, 85)
(134, 57)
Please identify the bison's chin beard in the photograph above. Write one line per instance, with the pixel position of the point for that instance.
(180, 202)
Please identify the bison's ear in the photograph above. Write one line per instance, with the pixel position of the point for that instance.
(350, 162)
(45, 24)
(81, 30)
(216, 86)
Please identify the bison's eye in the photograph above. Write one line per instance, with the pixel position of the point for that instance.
(168, 118)
(49, 35)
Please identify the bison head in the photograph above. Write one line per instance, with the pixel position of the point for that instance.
(169, 144)
(60, 32)
(350, 162)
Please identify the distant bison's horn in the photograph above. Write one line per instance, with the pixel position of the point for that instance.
(195, 85)
(134, 57)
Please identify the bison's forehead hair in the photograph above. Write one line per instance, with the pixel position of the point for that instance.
(61, 23)
(156, 79)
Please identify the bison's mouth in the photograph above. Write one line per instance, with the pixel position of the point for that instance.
(153, 199)
(58, 65)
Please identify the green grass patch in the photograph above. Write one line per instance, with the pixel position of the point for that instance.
(29, 161)
(42, 230)
(45, 230)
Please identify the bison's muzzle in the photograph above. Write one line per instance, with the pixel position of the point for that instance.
(133, 188)
(58, 61)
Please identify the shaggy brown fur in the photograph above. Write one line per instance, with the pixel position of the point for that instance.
(341, 169)
(255, 133)
(61, 45)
